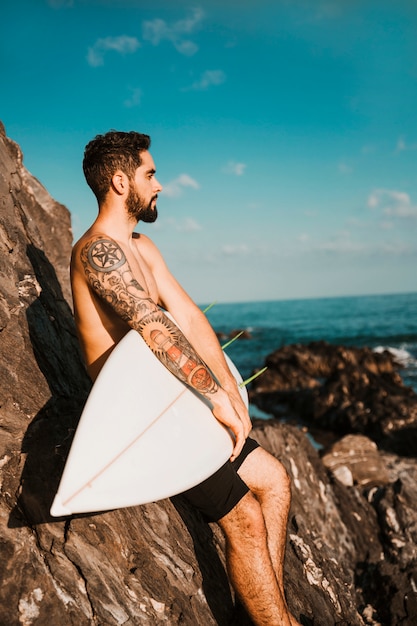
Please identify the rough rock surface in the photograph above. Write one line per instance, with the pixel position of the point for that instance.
(341, 390)
(334, 390)
(351, 542)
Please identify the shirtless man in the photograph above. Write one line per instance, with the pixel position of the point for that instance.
(120, 281)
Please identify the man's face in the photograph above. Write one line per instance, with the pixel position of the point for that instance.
(143, 191)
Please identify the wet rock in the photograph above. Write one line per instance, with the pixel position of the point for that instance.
(240, 334)
(341, 390)
(234, 335)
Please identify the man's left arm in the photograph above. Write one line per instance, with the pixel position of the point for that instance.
(197, 329)
(206, 343)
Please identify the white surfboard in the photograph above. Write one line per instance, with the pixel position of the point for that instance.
(143, 436)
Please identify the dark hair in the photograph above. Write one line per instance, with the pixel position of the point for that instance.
(105, 154)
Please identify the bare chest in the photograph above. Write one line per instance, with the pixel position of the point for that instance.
(143, 275)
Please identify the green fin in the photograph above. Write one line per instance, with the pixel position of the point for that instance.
(209, 306)
(228, 343)
(249, 380)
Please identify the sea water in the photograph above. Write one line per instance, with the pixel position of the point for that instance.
(378, 322)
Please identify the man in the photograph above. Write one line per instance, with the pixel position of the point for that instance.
(120, 281)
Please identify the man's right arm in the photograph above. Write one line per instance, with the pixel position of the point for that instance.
(109, 275)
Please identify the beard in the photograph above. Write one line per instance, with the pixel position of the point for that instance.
(137, 207)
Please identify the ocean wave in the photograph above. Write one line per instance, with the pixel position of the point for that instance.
(401, 355)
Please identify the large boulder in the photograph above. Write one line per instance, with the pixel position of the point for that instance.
(341, 390)
(350, 546)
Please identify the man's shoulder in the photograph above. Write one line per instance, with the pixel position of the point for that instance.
(140, 237)
(89, 237)
(143, 241)
(146, 247)
(84, 242)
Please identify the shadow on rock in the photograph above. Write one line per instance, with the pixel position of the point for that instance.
(215, 582)
(47, 440)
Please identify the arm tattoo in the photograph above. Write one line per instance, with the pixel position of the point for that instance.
(110, 277)
(174, 351)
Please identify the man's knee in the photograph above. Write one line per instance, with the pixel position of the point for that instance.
(266, 476)
(279, 479)
(278, 492)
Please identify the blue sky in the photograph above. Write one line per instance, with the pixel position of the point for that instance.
(284, 132)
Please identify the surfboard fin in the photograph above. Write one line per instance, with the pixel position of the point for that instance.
(209, 306)
(228, 343)
(249, 380)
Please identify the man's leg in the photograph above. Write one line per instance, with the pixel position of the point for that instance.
(255, 532)
(268, 480)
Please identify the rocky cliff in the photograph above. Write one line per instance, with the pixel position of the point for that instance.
(351, 550)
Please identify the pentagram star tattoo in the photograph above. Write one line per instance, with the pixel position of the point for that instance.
(106, 256)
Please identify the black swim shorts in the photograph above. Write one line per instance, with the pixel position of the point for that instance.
(217, 495)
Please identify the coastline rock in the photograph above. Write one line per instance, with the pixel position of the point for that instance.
(334, 390)
(350, 551)
(341, 390)
(240, 334)
(233, 335)
(355, 460)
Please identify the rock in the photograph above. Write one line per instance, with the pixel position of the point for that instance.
(355, 459)
(234, 335)
(341, 390)
(334, 390)
(222, 337)
(240, 334)
(350, 551)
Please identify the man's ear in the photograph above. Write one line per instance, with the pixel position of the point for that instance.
(120, 182)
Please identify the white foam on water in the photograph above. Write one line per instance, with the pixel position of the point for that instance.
(401, 355)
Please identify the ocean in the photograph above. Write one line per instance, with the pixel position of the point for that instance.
(378, 322)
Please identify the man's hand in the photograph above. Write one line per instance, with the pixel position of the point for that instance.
(232, 389)
(225, 412)
(240, 408)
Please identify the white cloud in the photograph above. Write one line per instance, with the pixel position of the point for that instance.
(393, 203)
(373, 200)
(346, 246)
(186, 225)
(233, 250)
(402, 146)
(344, 168)
(343, 246)
(237, 169)
(368, 149)
(386, 225)
(158, 30)
(402, 210)
(208, 79)
(122, 44)
(174, 188)
(189, 225)
(134, 98)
